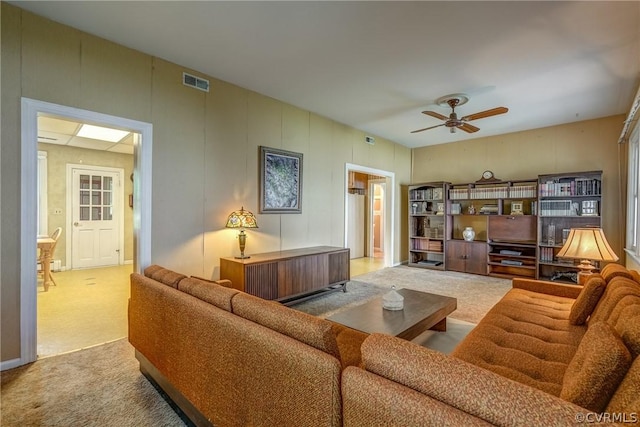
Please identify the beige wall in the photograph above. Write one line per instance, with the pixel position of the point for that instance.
(205, 152)
(58, 156)
(582, 146)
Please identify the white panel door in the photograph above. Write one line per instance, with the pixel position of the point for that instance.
(95, 218)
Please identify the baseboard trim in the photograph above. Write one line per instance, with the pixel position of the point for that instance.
(10, 364)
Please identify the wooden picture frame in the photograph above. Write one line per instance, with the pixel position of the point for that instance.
(280, 181)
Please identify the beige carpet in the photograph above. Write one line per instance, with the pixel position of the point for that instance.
(102, 385)
(99, 386)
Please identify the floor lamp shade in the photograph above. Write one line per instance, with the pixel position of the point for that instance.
(241, 219)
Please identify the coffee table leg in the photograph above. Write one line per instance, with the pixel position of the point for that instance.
(441, 326)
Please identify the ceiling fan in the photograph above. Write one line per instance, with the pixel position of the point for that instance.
(453, 122)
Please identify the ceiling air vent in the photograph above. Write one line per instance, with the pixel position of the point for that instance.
(195, 82)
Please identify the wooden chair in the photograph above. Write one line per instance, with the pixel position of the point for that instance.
(47, 256)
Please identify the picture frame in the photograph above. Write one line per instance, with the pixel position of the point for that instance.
(280, 181)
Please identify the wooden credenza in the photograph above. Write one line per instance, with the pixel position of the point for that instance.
(289, 276)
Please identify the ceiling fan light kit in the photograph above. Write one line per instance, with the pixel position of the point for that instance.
(453, 122)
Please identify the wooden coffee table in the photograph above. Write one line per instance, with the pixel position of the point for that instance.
(421, 311)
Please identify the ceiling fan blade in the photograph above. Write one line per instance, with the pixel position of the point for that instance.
(486, 113)
(436, 115)
(468, 128)
(431, 127)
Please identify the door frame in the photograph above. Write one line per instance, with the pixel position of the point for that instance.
(69, 216)
(142, 151)
(372, 184)
(389, 242)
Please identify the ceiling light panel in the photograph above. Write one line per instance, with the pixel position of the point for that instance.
(101, 133)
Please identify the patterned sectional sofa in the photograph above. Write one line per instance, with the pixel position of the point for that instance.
(546, 354)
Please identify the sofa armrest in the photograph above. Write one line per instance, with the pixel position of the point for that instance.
(349, 342)
(222, 282)
(466, 387)
(547, 287)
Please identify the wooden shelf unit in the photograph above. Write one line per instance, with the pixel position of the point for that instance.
(561, 208)
(427, 225)
(489, 208)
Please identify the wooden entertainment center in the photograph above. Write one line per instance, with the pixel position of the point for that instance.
(289, 276)
(518, 226)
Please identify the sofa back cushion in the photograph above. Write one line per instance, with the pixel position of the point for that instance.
(587, 300)
(210, 292)
(303, 327)
(164, 275)
(596, 370)
(617, 288)
(612, 270)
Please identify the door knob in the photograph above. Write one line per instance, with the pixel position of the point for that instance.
(76, 224)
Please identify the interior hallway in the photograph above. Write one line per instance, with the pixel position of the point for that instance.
(89, 307)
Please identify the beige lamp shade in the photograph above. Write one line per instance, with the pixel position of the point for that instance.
(587, 243)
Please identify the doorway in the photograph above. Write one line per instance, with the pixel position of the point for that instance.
(369, 218)
(377, 189)
(141, 200)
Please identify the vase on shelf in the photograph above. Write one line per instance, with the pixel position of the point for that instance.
(468, 234)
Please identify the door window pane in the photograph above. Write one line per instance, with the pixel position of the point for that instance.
(84, 213)
(95, 214)
(106, 214)
(107, 183)
(84, 181)
(106, 198)
(84, 198)
(96, 182)
(96, 198)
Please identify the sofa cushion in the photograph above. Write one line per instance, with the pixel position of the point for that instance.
(626, 399)
(526, 337)
(220, 296)
(468, 388)
(301, 326)
(597, 369)
(612, 270)
(164, 275)
(617, 289)
(587, 300)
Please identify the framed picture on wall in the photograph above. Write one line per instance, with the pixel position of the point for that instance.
(280, 181)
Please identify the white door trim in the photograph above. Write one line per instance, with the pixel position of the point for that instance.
(389, 207)
(372, 184)
(69, 216)
(30, 109)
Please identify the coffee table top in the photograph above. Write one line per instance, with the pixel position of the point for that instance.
(421, 311)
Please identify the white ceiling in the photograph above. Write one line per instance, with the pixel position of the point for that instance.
(376, 65)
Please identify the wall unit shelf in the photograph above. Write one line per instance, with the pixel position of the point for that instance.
(502, 214)
(520, 225)
(568, 200)
(427, 225)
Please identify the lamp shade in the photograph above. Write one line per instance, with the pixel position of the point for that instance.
(587, 243)
(241, 219)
